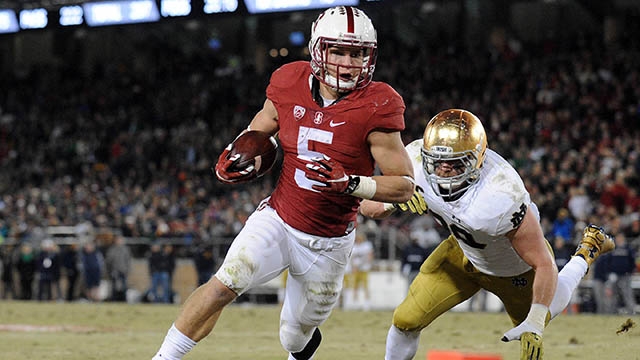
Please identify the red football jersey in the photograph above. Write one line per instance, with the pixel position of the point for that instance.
(339, 131)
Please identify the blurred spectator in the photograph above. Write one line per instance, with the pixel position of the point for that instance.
(562, 251)
(632, 204)
(26, 266)
(71, 264)
(579, 203)
(204, 262)
(362, 257)
(632, 233)
(424, 232)
(57, 274)
(615, 193)
(601, 296)
(622, 264)
(159, 269)
(170, 255)
(563, 226)
(92, 267)
(48, 270)
(118, 265)
(413, 255)
(7, 258)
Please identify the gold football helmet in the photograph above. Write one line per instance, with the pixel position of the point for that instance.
(455, 137)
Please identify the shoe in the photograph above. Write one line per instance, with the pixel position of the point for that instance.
(595, 242)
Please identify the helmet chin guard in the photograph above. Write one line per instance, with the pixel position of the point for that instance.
(346, 27)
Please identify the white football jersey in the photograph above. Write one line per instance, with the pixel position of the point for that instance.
(481, 218)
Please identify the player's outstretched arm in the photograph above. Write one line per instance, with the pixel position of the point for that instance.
(396, 185)
(528, 241)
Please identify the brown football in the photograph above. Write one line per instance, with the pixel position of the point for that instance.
(256, 148)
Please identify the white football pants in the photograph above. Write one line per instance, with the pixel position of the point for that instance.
(265, 247)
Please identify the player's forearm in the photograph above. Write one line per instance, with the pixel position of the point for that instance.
(393, 189)
(375, 209)
(544, 284)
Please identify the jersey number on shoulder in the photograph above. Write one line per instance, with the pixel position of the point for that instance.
(460, 233)
(306, 134)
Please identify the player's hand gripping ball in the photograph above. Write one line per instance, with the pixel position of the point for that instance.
(249, 156)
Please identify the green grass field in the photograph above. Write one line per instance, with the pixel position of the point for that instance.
(84, 331)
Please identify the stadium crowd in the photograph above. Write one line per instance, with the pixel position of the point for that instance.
(130, 147)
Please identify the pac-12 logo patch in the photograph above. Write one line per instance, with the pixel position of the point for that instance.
(298, 112)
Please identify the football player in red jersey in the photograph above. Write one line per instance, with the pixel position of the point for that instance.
(334, 124)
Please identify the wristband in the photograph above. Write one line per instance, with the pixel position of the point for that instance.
(361, 186)
(389, 207)
(537, 316)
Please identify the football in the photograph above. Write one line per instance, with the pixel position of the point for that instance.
(256, 148)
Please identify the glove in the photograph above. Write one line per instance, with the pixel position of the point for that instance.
(530, 340)
(416, 204)
(226, 175)
(331, 174)
(531, 346)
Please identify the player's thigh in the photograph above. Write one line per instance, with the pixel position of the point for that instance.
(257, 254)
(310, 296)
(441, 284)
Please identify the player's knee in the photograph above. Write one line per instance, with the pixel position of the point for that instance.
(292, 338)
(237, 273)
(218, 291)
(406, 320)
(318, 315)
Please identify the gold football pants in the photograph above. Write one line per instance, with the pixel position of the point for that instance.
(447, 278)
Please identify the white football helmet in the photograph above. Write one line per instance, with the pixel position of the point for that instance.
(456, 137)
(343, 26)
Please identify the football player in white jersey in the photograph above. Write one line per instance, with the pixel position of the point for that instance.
(496, 241)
